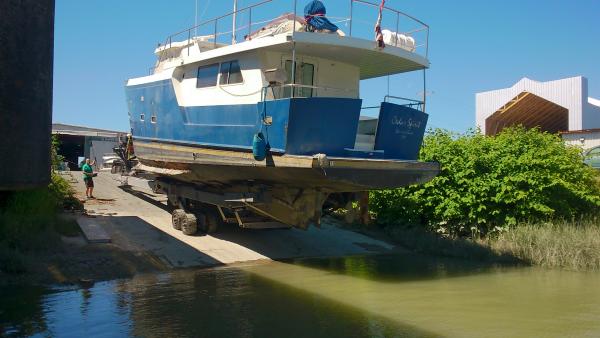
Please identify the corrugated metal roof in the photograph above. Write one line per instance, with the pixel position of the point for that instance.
(67, 129)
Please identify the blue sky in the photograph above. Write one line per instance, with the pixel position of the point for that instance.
(474, 46)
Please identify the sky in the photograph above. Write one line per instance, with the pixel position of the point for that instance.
(474, 46)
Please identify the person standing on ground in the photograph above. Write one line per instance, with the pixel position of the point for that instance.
(88, 174)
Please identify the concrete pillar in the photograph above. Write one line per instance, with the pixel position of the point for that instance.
(26, 60)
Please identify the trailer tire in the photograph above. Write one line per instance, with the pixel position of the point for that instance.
(189, 224)
(177, 218)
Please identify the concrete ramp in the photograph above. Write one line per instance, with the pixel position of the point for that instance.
(138, 220)
(92, 230)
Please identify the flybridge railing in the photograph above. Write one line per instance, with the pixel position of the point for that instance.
(214, 23)
(411, 103)
(289, 90)
(402, 24)
(409, 33)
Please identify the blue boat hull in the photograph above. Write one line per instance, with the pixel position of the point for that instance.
(297, 126)
(300, 126)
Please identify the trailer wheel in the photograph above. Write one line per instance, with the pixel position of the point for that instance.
(189, 224)
(177, 218)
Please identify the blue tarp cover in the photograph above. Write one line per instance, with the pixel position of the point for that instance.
(314, 14)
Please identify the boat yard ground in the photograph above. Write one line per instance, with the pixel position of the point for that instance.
(142, 239)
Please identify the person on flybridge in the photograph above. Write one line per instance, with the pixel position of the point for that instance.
(314, 15)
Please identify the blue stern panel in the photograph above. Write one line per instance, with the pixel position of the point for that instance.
(400, 131)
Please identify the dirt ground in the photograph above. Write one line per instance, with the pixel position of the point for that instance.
(142, 239)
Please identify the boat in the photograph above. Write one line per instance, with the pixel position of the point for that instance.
(261, 124)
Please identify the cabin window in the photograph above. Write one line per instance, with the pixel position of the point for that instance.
(305, 73)
(207, 76)
(231, 73)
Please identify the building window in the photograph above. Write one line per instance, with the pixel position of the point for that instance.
(142, 117)
(153, 118)
(207, 76)
(231, 73)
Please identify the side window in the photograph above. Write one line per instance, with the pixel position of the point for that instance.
(207, 76)
(230, 73)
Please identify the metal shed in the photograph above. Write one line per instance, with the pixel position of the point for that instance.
(79, 141)
(554, 106)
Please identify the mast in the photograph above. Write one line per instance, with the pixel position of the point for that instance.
(196, 19)
(234, 21)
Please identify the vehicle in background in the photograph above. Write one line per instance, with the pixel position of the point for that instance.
(592, 157)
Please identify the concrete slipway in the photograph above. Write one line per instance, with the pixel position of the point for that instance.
(138, 220)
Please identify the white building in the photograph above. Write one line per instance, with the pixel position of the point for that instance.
(78, 141)
(587, 138)
(555, 106)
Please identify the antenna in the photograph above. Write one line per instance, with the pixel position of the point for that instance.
(234, 21)
(196, 19)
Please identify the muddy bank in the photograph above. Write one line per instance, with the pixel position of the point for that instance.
(70, 260)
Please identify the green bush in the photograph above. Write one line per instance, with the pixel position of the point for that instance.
(487, 184)
(55, 158)
(29, 212)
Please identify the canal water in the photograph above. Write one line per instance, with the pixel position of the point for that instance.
(400, 295)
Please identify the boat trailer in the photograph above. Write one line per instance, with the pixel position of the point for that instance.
(204, 208)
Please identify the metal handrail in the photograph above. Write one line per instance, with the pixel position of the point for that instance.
(169, 39)
(296, 85)
(413, 103)
(393, 10)
(398, 14)
(385, 99)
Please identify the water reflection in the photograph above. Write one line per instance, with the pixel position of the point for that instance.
(374, 296)
(230, 302)
(400, 267)
(22, 311)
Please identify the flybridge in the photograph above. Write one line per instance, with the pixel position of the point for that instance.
(355, 20)
(253, 28)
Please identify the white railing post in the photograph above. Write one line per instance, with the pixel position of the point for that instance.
(424, 88)
(234, 22)
(351, 9)
(294, 50)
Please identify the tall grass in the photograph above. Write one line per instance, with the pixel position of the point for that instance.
(572, 245)
(29, 221)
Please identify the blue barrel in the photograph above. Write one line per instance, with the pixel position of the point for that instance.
(259, 147)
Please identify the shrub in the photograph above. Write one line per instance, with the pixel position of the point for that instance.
(28, 212)
(55, 158)
(487, 184)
